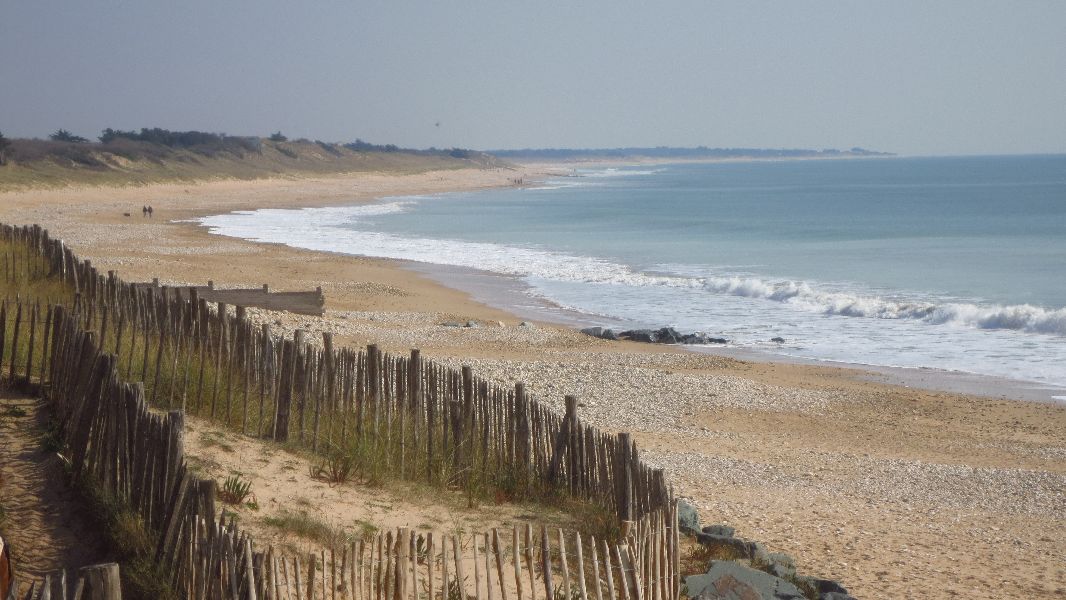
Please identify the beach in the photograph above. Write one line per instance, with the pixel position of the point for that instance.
(897, 492)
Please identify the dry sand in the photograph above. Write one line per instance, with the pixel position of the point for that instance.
(897, 492)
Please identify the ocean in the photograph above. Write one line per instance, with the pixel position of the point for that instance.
(954, 264)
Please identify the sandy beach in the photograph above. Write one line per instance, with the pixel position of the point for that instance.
(896, 492)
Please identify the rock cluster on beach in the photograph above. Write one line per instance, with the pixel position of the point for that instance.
(752, 572)
(665, 335)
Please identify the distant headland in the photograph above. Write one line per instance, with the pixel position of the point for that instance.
(668, 152)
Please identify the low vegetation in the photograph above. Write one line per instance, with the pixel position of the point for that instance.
(155, 154)
(308, 527)
(235, 490)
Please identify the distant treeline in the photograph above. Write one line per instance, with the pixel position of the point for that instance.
(180, 139)
(361, 146)
(156, 144)
(670, 152)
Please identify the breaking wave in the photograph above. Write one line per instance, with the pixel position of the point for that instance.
(1023, 317)
(330, 229)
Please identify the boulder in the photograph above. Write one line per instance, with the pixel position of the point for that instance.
(828, 586)
(728, 580)
(740, 548)
(640, 335)
(668, 335)
(724, 530)
(781, 565)
(600, 332)
(472, 324)
(827, 589)
(688, 520)
(758, 553)
(779, 340)
(721, 544)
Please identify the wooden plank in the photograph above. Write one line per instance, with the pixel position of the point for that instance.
(596, 571)
(564, 566)
(460, 579)
(516, 560)
(498, 551)
(102, 582)
(580, 568)
(488, 569)
(545, 564)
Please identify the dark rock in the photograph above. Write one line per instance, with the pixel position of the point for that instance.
(668, 335)
(739, 547)
(688, 520)
(600, 332)
(665, 335)
(779, 340)
(640, 335)
(758, 553)
(725, 530)
(472, 324)
(835, 596)
(728, 580)
(722, 543)
(828, 586)
(782, 571)
(781, 565)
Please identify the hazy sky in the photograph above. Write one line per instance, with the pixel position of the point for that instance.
(919, 77)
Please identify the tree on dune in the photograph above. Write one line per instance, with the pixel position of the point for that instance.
(278, 137)
(62, 135)
(4, 143)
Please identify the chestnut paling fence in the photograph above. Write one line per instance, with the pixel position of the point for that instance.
(400, 415)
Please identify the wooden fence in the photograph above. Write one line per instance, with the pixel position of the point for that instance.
(304, 303)
(406, 415)
(94, 582)
(418, 420)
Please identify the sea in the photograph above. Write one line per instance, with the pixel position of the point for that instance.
(953, 265)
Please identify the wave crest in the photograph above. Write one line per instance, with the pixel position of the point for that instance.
(1022, 317)
(326, 229)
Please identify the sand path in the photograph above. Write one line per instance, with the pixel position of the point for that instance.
(44, 523)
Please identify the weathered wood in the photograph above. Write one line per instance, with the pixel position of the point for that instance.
(102, 582)
(564, 567)
(281, 420)
(580, 568)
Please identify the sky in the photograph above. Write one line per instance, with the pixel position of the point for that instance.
(912, 77)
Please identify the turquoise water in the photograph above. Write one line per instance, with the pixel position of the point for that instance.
(949, 263)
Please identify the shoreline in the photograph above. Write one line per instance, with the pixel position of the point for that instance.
(894, 491)
(507, 294)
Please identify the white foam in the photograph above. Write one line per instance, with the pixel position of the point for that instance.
(331, 229)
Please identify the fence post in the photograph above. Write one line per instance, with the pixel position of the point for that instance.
(101, 582)
(625, 445)
(281, 421)
(562, 443)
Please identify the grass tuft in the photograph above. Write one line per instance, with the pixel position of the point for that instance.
(235, 490)
(311, 528)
